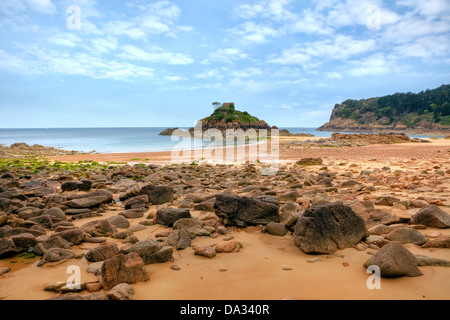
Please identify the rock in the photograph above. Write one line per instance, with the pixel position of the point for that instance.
(137, 202)
(3, 218)
(122, 234)
(151, 251)
(394, 260)
(102, 252)
(24, 241)
(7, 248)
(82, 185)
(44, 220)
(386, 201)
(121, 268)
(168, 216)
(242, 211)
(438, 242)
(4, 270)
(407, 235)
(133, 213)
(288, 214)
(55, 212)
(158, 194)
(119, 221)
(93, 286)
(428, 261)
(382, 229)
(373, 239)
(98, 228)
(205, 251)
(180, 239)
(95, 268)
(186, 223)
(55, 255)
(276, 229)
(289, 196)
(137, 227)
(9, 232)
(88, 202)
(122, 291)
(327, 228)
(432, 216)
(310, 162)
(228, 247)
(74, 236)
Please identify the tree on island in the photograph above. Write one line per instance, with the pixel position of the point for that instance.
(217, 105)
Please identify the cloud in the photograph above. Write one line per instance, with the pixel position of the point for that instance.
(251, 32)
(42, 6)
(312, 54)
(226, 55)
(373, 65)
(156, 55)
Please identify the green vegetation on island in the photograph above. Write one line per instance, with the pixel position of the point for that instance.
(429, 109)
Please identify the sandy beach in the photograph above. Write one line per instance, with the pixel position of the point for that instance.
(269, 267)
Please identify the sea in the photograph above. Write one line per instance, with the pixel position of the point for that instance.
(116, 140)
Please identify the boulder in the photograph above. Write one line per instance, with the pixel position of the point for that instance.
(327, 228)
(56, 213)
(128, 268)
(102, 252)
(137, 202)
(24, 241)
(119, 221)
(122, 291)
(98, 228)
(407, 235)
(151, 251)
(158, 194)
(55, 255)
(7, 248)
(276, 229)
(288, 214)
(205, 251)
(432, 216)
(231, 246)
(394, 260)
(53, 242)
(90, 202)
(310, 162)
(74, 236)
(179, 239)
(133, 213)
(242, 211)
(168, 216)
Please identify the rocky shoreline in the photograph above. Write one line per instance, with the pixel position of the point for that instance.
(17, 150)
(50, 213)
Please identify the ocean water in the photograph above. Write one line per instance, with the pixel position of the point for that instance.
(113, 140)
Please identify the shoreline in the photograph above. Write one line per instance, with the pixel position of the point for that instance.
(288, 151)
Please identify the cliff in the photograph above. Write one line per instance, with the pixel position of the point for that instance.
(427, 111)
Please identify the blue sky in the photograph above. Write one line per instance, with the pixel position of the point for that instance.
(162, 63)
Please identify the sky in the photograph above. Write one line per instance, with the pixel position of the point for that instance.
(137, 63)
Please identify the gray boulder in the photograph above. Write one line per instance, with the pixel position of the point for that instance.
(327, 228)
(102, 252)
(394, 260)
(158, 194)
(151, 251)
(407, 235)
(168, 216)
(432, 216)
(242, 211)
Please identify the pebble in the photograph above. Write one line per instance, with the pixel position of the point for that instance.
(345, 264)
(314, 260)
(175, 267)
(4, 270)
(286, 269)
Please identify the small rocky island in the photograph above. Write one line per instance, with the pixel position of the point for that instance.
(226, 117)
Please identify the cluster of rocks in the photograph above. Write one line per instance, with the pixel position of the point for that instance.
(23, 149)
(359, 139)
(323, 208)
